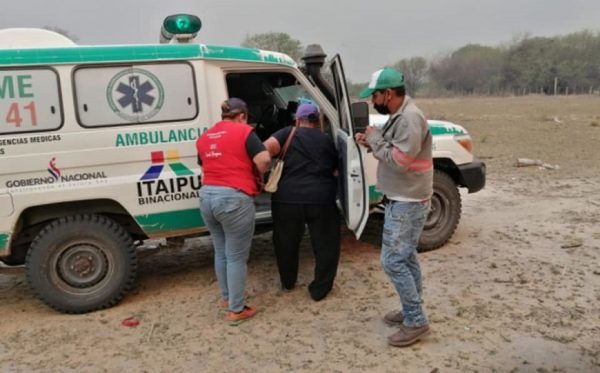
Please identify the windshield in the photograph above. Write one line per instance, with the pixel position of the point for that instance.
(293, 93)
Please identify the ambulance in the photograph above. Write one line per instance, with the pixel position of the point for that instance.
(97, 148)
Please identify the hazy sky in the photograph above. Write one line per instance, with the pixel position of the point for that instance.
(367, 34)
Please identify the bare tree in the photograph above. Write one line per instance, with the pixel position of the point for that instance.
(275, 41)
(415, 73)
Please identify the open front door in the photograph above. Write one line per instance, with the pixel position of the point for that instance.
(353, 186)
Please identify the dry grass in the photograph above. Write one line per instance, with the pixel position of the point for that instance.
(556, 130)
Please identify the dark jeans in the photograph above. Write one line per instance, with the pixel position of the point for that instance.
(289, 221)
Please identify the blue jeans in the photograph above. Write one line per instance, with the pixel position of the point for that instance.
(229, 215)
(402, 228)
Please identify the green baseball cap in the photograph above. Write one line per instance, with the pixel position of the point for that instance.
(382, 79)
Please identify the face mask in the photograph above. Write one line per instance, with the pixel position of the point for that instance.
(381, 109)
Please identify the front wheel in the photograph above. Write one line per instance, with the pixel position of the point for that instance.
(81, 263)
(444, 213)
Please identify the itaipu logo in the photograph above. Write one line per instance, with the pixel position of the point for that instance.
(151, 189)
(158, 163)
(52, 169)
(135, 94)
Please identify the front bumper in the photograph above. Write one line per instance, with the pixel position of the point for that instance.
(472, 175)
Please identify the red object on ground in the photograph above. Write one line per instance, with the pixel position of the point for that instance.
(131, 322)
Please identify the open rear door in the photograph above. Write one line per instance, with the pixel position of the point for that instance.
(353, 188)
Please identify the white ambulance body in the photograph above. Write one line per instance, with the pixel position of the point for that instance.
(97, 151)
(97, 148)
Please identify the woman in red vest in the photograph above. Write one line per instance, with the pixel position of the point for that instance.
(233, 160)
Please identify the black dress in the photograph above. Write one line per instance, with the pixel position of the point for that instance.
(306, 196)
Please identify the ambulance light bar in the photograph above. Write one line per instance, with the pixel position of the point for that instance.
(180, 28)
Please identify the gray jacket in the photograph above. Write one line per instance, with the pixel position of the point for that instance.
(403, 148)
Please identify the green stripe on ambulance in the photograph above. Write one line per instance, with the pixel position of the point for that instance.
(4, 239)
(443, 128)
(136, 53)
(170, 221)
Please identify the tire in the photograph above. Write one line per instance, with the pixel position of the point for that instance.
(444, 215)
(372, 234)
(81, 263)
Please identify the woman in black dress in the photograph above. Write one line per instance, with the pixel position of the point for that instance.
(306, 196)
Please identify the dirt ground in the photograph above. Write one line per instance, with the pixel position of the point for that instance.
(517, 289)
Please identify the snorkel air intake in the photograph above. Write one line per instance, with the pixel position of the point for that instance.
(314, 59)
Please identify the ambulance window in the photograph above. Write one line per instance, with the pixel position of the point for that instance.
(29, 101)
(135, 94)
(329, 76)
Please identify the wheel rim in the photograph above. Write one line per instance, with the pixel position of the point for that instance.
(437, 211)
(82, 265)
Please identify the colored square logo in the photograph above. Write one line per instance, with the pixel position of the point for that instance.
(172, 155)
(158, 157)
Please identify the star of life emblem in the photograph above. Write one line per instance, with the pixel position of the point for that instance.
(135, 94)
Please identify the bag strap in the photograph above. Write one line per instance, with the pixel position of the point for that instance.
(390, 124)
(287, 143)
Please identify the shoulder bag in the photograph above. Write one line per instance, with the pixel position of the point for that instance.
(277, 169)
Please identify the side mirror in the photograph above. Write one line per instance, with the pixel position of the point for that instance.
(360, 116)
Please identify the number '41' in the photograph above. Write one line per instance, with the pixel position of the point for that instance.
(14, 115)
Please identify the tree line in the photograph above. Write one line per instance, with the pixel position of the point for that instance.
(544, 65)
(568, 64)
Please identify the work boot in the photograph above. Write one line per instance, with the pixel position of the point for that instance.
(318, 292)
(407, 335)
(394, 318)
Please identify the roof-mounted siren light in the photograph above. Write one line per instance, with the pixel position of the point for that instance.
(179, 28)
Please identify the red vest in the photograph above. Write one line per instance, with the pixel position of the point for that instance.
(225, 161)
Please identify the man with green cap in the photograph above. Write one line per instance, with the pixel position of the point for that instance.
(405, 176)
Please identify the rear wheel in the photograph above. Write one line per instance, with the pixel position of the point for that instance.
(81, 263)
(444, 213)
